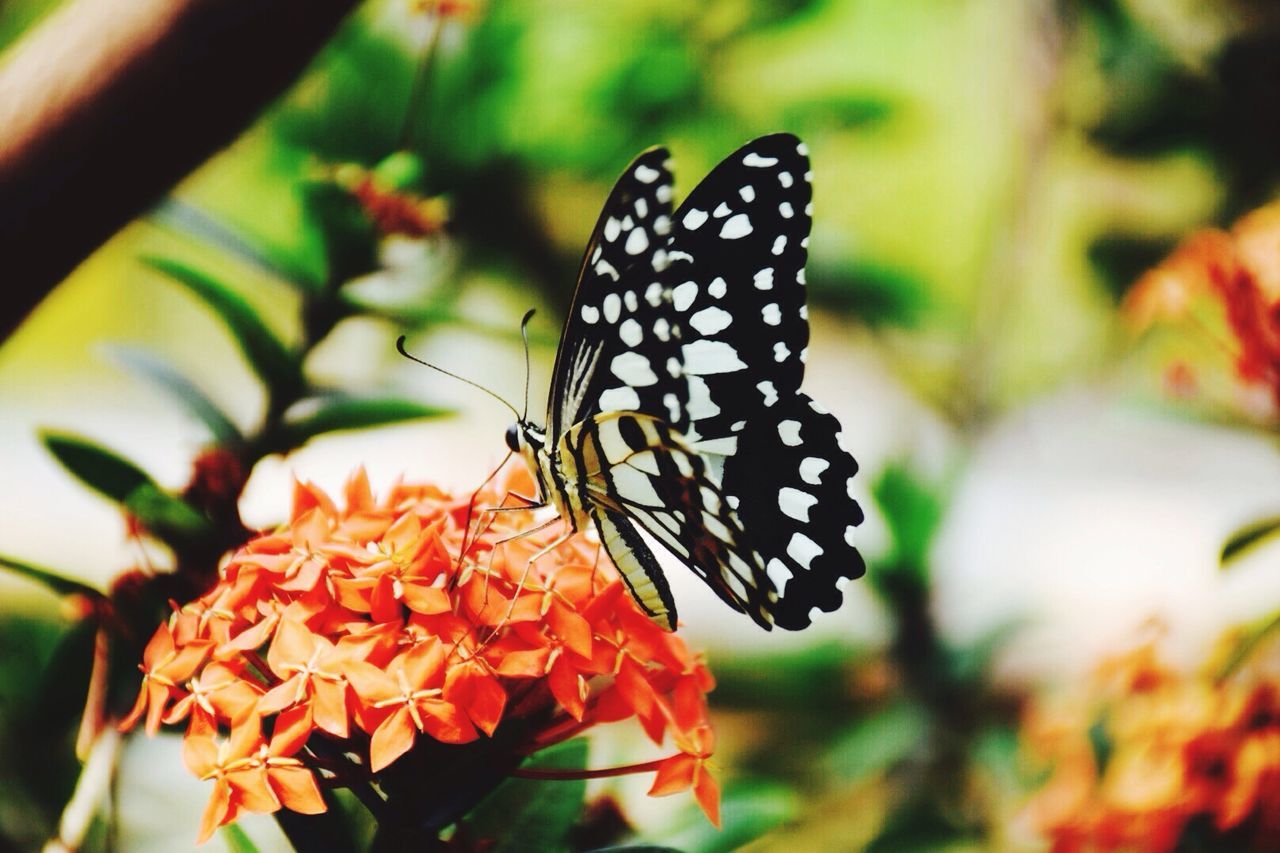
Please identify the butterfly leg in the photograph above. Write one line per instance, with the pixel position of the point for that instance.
(528, 568)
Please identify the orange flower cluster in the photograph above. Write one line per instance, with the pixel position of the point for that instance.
(1240, 269)
(387, 621)
(1152, 754)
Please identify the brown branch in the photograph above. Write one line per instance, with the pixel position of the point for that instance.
(106, 105)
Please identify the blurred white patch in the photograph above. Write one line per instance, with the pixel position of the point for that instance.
(1081, 519)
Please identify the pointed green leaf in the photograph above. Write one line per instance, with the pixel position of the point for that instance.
(400, 170)
(343, 413)
(237, 840)
(264, 351)
(191, 220)
(56, 582)
(149, 366)
(109, 474)
(535, 814)
(1248, 536)
(1257, 632)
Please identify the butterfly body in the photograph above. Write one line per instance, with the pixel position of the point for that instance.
(675, 405)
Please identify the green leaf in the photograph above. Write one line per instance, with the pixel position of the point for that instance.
(874, 293)
(270, 359)
(1258, 632)
(1249, 536)
(237, 840)
(878, 742)
(107, 473)
(913, 513)
(402, 170)
(181, 216)
(160, 372)
(535, 814)
(343, 413)
(748, 810)
(58, 583)
(349, 238)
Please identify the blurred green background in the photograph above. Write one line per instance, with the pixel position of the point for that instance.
(990, 178)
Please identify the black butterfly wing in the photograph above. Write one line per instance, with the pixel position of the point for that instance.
(619, 347)
(736, 277)
(793, 486)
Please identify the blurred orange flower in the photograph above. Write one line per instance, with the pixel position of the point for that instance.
(384, 622)
(1241, 270)
(1147, 753)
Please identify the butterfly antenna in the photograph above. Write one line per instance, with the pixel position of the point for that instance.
(405, 353)
(524, 335)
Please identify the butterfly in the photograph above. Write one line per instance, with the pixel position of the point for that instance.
(675, 405)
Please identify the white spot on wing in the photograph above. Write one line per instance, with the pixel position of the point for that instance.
(662, 329)
(642, 208)
(736, 226)
(684, 294)
(694, 218)
(662, 225)
(785, 179)
(780, 352)
(630, 332)
(786, 210)
(795, 503)
(711, 320)
(770, 393)
(629, 299)
(849, 487)
(748, 193)
(705, 357)
(637, 241)
(848, 535)
(605, 268)
(772, 314)
(673, 405)
(764, 279)
(802, 149)
(646, 174)
(811, 468)
(663, 193)
(754, 159)
(789, 432)
(718, 287)
(800, 279)
(726, 446)
(633, 368)
(721, 211)
(590, 313)
(612, 307)
(701, 406)
(779, 574)
(802, 549)
(779, 244)
(622, 399)
(611, 229)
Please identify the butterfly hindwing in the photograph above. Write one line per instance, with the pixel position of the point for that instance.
(636, 466)
(796, 500)
(619, 344)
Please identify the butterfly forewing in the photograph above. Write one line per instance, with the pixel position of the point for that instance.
(736, 276)
(619, 346)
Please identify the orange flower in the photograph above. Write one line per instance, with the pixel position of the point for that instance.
(369, 628)
(164, 665)
(1241, 270)
(1150, 750)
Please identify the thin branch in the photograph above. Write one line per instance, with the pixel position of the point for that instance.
(105, 106)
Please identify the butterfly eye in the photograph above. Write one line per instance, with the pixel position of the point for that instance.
(513, 438)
